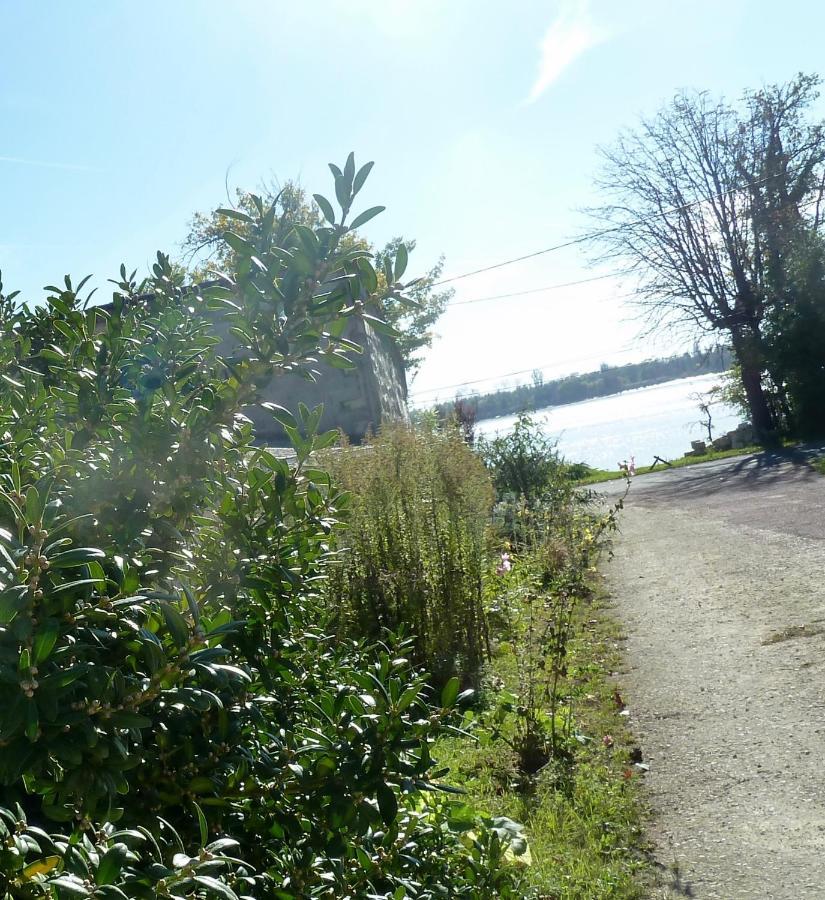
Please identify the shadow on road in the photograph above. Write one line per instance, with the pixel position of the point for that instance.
(760, 470)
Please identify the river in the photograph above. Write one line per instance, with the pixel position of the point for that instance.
(660, 420)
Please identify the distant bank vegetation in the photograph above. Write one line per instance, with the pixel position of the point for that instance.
(607, 380)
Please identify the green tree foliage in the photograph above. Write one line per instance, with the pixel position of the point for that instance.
(416, 539)
(414, 323)
(608, 380)
(795, 337)
(412, 320)
(708, 203)
(176, 719)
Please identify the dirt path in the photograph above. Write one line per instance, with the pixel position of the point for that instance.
(719, 579)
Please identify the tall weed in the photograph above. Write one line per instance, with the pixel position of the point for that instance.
(415, 545)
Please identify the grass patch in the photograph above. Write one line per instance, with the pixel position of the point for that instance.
(819, 465)
(584, 816)
(597, 476)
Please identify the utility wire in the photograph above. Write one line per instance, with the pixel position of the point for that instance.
(601, 232)
(538, 290)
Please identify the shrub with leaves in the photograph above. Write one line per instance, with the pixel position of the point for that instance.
(177, 720)
(416, 545)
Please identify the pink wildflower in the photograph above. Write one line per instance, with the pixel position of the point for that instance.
(505, 565)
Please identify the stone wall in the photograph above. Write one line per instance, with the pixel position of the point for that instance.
(355, 401)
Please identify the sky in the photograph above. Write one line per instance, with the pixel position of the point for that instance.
(119, 120)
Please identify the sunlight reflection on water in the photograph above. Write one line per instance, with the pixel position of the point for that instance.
(654, 421)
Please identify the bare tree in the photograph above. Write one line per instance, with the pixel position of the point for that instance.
(702, 198)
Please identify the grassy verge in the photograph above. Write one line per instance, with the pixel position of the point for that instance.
(583, 815)
(599, 475)
(819, 465)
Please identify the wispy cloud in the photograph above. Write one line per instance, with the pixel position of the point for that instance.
(572, 33)
(46, 164)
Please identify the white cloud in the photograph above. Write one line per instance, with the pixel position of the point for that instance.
(572, 33)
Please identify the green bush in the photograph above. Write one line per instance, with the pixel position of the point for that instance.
(522, 462)
(416, 544)
(177, 720)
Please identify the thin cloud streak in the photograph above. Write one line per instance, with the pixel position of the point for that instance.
(45, 164)
(572, 33)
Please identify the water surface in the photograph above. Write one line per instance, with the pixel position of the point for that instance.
(654, 421)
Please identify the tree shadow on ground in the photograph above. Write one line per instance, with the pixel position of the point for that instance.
(751, 472)
(670, 878)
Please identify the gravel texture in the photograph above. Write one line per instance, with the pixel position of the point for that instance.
(719, 580)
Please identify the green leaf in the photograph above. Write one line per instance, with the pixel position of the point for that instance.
(71, 884)
(401, 260)
(387, 803)
(349, 169)
(342, 192)
(449, 693)
(214, 887)
(365, 216)
(361, 177)
(283, 415)
(44, 640)
(111, 864)
(34, 506)
(412, 693)
(202, 824)
(12, 600)
(380, 325)
(125, 719)
(176, 624)
(238, 244)
(326, 208)
(234, 214)
(75, 557)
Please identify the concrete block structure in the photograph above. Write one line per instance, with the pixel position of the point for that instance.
(356, 401)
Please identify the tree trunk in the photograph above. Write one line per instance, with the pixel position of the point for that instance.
(761, 418)
(745, 346)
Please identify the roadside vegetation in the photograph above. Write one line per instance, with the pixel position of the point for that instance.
(378, 672)
(542, 748)
(179, 718)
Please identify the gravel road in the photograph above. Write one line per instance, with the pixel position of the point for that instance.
(719, 580)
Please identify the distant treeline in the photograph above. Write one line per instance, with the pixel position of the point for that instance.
(608, 380)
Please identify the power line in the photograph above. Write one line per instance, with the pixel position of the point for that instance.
(601, 232)
(538, 290)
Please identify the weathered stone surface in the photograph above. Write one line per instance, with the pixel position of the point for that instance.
(722, 443)
(356, 401)
(699, 447)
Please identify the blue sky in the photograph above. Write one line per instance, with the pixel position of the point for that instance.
(120, 119)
